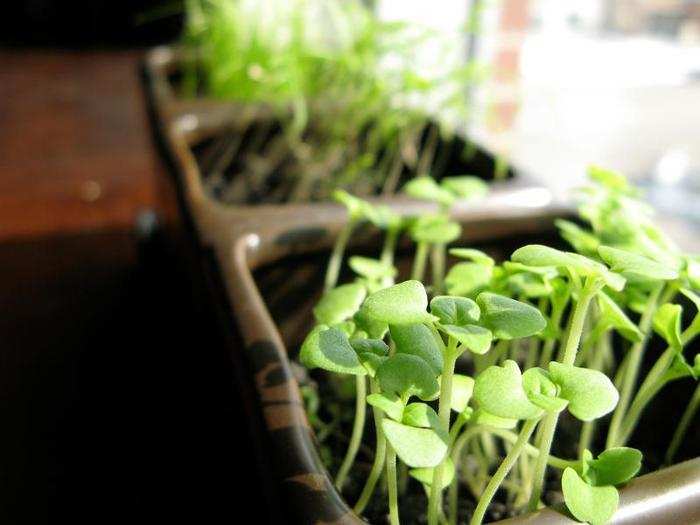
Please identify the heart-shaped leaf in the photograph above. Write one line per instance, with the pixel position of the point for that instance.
(420, 415)
(483, 418)
(465, 187)
(375, 346)
(435, 229)
(403, 303)
(390, 404)
(529, 285)
(371, 268)
(508, 318)
(365, 323)
(468, 279)
(594, 505)
(425, 188)
(582, 241)
(473, 255)
(615, 466)
(667, 323)
(458, 311)
(541, 391)
(635, 267)
(538, 255)
(462, 390)
(475, 338)
(340, 303)
(694, 327)
(499, 391)
(417, 447)
(425, 475)
(329, 349)
(371, 362)
(407, 375)
(590, 393)
(421, 341)
(613, 316)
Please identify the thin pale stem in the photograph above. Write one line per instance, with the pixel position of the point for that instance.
(419, 261)
(602, 348)
(336, 259)
(444, 408)
(392, 488)
(629, 379)
(682, 428)
(357, 430)
(379, 457)
(502, 471)
(549, 424)
(437, 259)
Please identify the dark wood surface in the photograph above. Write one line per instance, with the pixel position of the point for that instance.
(116, 397)
(75, 151)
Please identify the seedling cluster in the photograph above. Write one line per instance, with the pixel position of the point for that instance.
(332, 96)
(470, 370)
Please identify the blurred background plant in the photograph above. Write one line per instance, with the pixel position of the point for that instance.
(334, 96)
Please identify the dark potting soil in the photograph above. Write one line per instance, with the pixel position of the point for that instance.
(257, 166)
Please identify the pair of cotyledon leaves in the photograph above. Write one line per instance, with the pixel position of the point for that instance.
(589, 491)
(448, 190)
(506, 392)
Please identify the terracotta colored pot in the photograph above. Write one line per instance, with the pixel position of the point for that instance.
(240, 241)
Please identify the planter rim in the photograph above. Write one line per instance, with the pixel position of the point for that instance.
(181, 122)
(650, 499)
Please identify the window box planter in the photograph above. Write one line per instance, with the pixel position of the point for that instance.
(262, 260)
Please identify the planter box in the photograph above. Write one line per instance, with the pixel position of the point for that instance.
(238, 245)
(183, 125)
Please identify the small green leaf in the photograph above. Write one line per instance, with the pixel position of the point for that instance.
(499, 391)
(613, 316)
(475, 338)
(667, 323)
(421, 341)
(582, 241)
(594, 505)
(635, 267)
(329, 349)
(373, 328)
(371, 268)
(340, 303)
(407, 375)
(435, 229)
(417, 447)
(462, 390)
(508, 318)
(538, 255)
(425, 188)
(473, 255)
(371, 362)
(615, 466)
(609, 179)
(590, 393)
(420, 415)
(465, 187)
(375, 346)
(458, 311)
(541, 391)
(357, 208)
(425, 475)
(403, 303)
(390, 404)
(483, 418)
(529, 285)
(468, 279)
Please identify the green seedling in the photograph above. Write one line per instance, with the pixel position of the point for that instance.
(457, 381)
